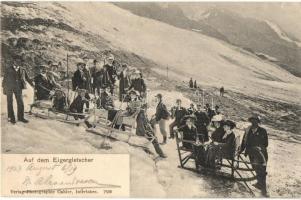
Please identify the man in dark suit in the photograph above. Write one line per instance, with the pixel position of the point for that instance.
(255, 143)
(80, 81)
(161, 116)
(178, 112)
(124, 82)
(14, 82)
(43, 84)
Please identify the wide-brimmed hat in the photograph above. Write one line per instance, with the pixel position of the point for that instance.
(81, 90)
(189, 117)
(218, 118)
(254, 117)
(159, 95)
(133, 92)
(230, 123)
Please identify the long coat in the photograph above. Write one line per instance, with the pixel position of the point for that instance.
(124, 83)
(189, 134)
(201, 123)
(161, 112)
(79, 80)
(253, 140)
(15, 79)
(43, 86)
(138, 85)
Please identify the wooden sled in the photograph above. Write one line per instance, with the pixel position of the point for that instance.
(240, 170)
(104, 128)
(43, 109)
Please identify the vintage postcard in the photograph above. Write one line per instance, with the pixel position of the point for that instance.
(150, 99)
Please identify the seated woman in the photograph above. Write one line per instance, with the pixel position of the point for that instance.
(189, 132)
(219, 132)
(59, 101)
(77, 106)
(224, 148)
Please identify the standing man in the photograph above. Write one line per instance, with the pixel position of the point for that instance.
(191, 83)
(202, 121)
(161, 116)
(191, 110)
(255, 143)
(178, 112)
(124, 82)
(138, 84)
(111, 71)
(222, 91)
(195, 85)
(14, 82)
(210, 112)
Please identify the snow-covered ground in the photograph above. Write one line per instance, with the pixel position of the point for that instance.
(151, 177)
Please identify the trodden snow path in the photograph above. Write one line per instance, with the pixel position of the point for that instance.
(150, 177)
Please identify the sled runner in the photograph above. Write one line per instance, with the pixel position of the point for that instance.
(240, 170)
(48, 109)
(105, 128)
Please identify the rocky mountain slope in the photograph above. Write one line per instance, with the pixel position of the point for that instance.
(254, 35)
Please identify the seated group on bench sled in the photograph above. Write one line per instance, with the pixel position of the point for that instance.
(196, 139)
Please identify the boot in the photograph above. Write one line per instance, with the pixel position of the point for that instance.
(164, 140)
(172, 136)
(159, 150)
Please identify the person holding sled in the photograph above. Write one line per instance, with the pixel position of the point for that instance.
(14, 81)
(178, 113)
(43, 84)
(255, 143)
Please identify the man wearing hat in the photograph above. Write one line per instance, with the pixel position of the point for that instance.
(189, 131)
(255, 143)
(178, 112)
(161, 116)
(124, 82)
(43, 84)
(138, 83)
(111, 69)
(14, 81)
(202, 121)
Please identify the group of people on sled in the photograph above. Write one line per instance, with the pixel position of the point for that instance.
(191, 125)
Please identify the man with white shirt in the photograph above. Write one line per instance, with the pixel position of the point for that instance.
(43, 84)
(14, 81)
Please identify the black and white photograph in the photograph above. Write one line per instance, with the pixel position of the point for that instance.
(203, 97)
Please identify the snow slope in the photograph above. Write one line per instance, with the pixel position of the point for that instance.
(150, 177)
(190, 54)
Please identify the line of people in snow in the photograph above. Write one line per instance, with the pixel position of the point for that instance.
(100, 80)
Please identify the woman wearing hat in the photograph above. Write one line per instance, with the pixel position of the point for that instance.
(189, 131)
(218, 133)
(255, 143)
(225, 147)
